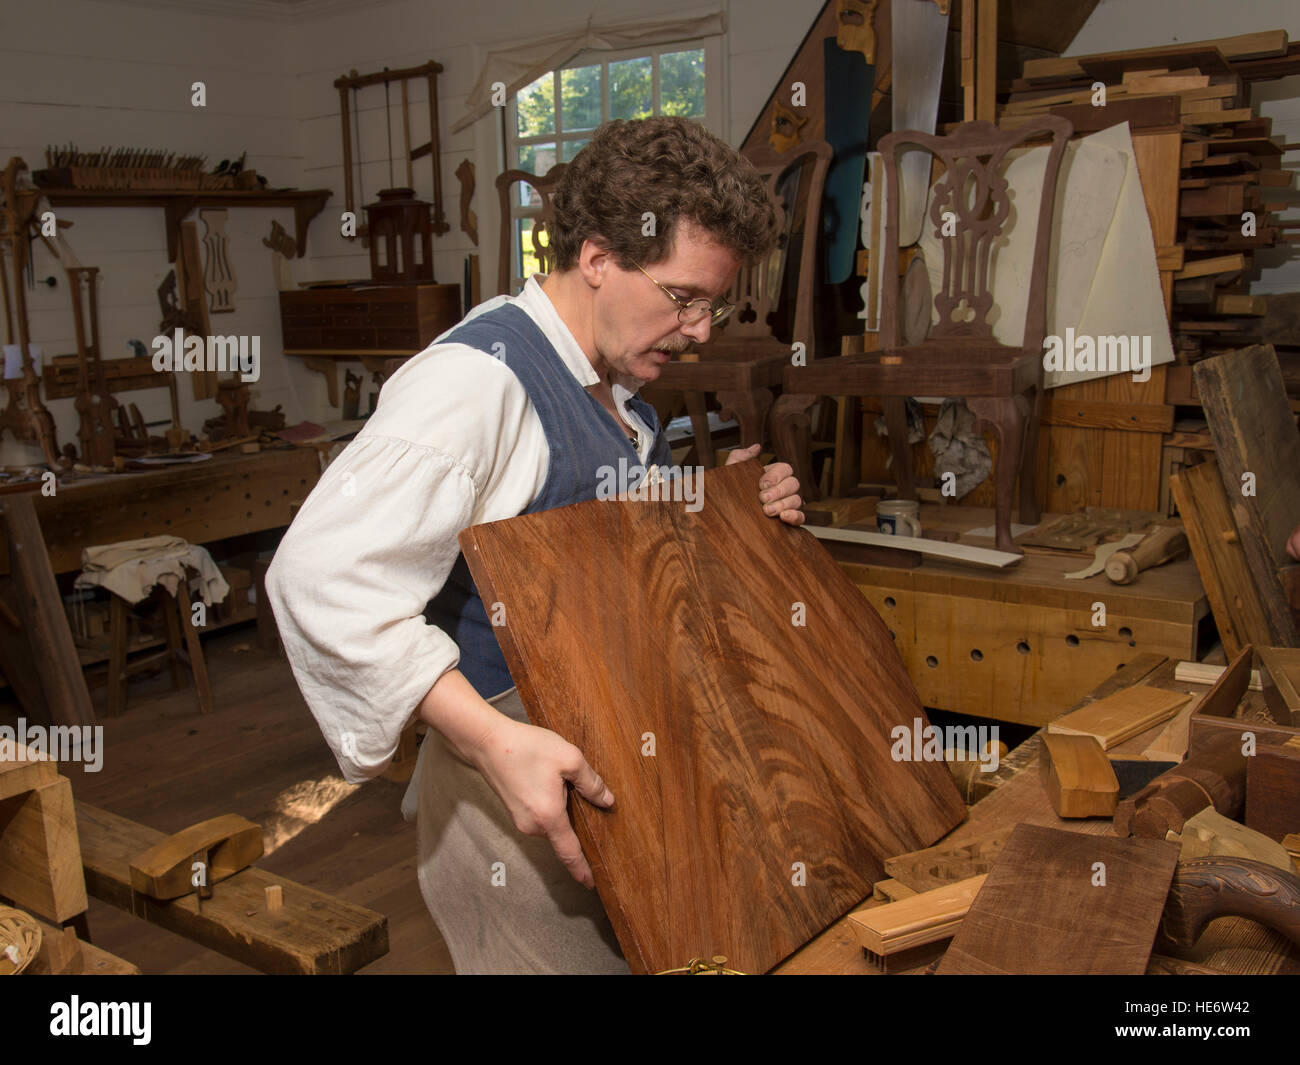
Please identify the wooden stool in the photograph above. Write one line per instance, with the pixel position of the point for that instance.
(177, 619)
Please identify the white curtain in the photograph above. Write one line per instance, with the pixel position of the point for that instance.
(522, 65)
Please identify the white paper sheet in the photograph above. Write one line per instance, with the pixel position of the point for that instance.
(1103, 279)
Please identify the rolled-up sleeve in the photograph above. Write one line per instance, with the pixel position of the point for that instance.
(373, 543)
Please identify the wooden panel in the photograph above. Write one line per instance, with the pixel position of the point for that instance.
(1220, 558)
(20, 770)
(1004, 658)
(1281, 666)
(1258, 451)
(1112, 720)
(40, 858)
(641, 617)
(1273, 790)
(1040, 910)
(1131, 415)
(226, 496)
(312, 932)
(59, 694)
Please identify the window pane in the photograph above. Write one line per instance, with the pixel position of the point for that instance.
(536, 159)
(629, 88)
(525, 252)
(580, 97)
(535, 107)
(571, 148)
(681, 83)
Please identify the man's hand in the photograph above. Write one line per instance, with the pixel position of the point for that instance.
(1293, 545)
(778, 491)
(528, 767)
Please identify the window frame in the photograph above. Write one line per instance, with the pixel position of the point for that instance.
(712, 119)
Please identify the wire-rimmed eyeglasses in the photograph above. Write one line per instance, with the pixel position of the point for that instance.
(689, 312)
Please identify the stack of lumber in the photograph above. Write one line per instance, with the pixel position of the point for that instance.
(1232, 181)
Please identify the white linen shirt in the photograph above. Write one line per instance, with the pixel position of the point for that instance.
(454, 441)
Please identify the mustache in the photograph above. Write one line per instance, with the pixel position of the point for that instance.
(675, 348)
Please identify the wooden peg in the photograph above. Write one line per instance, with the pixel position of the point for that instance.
(274, 898)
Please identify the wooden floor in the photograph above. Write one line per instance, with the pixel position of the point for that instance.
(260, 755)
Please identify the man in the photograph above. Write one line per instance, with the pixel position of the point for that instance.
(515, 410)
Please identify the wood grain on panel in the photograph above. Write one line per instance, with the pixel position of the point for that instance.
(1258, 450)
(40, 856)
(1220, 557)
(1049, 908)
(772, 690)
(1273, 790)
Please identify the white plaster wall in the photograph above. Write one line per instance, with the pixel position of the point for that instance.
(96, 74)
(111, 72)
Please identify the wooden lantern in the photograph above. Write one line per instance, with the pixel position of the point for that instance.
(395, 223)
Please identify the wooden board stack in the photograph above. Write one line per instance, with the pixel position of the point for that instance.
(1232, 179)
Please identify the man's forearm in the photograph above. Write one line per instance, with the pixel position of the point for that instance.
(459, 713)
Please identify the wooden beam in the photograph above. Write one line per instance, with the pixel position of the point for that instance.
(1258, 451)
(1220, 558)
(986, 60)
(313, 933)
(40, 860)
(44, 623)
(1265, 44)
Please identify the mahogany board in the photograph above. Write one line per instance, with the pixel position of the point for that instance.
(1040, 912)
(772, 739)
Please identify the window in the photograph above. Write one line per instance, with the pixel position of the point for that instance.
(550, 120)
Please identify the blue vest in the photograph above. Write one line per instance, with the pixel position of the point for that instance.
(582, 438)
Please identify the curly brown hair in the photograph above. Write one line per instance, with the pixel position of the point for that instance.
(671, 167)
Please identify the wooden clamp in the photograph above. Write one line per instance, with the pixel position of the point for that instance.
(226, 845)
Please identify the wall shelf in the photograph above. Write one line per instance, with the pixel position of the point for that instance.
(178, 203)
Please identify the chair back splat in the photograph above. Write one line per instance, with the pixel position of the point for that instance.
(544, 186)
(969, 209)
(795, 184)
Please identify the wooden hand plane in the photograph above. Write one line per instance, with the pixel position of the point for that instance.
(224, 845)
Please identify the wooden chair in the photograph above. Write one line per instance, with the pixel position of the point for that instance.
(1003, 384)
(743, 361)
(544, 184)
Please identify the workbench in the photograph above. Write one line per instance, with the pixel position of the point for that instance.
(1019, 644)
(228, 495)
(42, 536)
(1015, 796)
